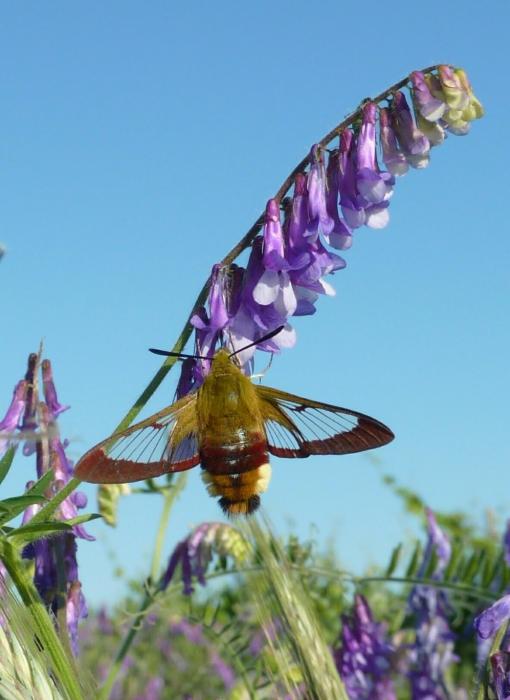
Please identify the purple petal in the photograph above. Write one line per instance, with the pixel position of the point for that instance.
(429, 106)
(393, 158)
(319, 219)
(274, 249)
(12, 418)
(490, 620)
(50, 393)
(413, 143)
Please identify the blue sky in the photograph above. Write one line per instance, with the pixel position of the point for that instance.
(140, 141)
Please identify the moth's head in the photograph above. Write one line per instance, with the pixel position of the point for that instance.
(222, 360)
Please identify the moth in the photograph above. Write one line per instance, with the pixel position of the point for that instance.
(230, 426)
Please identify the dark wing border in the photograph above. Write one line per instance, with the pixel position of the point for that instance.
(299, 427)
(145, 450)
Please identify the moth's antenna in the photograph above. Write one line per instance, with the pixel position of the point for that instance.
(260, 340)
(168, 353)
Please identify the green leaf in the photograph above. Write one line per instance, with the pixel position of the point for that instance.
(17, 505)
(6, 462)
(414, 563)
(40, 487)
(28, 533)
(455, 562)
(82, 519)
(470, 568)
(430, 569)
(395, 558)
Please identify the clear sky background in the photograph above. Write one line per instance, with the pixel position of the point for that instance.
(140, 141)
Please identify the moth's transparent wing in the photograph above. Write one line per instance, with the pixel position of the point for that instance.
(166, 442)
(298, 427)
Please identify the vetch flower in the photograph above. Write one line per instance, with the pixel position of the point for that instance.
(274, 286)
(50, 393)
(490, 620)
(364, 657)
(372, 184)
(319, 218)
(432, 652)
(340, 237)
(413, 143)
(12, 419)
(57, 554)
(393, 158)
(500, 665)
(430, 107)
(356, 209)
(195, 552)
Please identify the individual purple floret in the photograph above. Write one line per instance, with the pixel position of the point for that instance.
(393, 158)
(413, 144)
(372, 184)
(340, 236)
(490, 620)
(430, 107)
(274, 286)
(365, 655)
(12, 419)
(500, 665)
(254, 320)
(319, 219)
(50, 393)
(209, 327)
(356, 209)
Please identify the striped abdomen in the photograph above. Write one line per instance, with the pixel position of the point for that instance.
(237, 473)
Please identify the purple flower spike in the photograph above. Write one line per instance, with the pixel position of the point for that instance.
(413, 143)
(432, 652)
(12, 419)
(374, 186)
(430, 107)
(50, 393)
(500, 664)
(194, 555)
(393, 158)
(490, 620)
(320, 220)
(365, 654)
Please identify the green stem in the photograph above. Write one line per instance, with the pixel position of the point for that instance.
(171, 494)
(42, 622)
